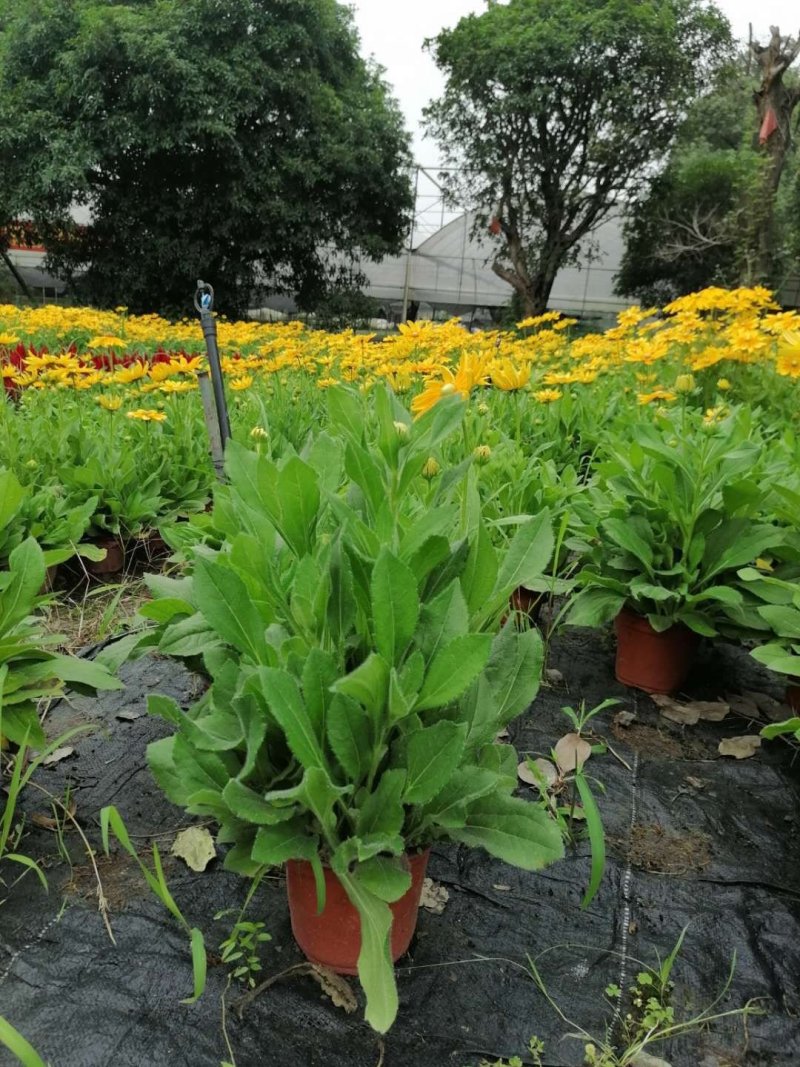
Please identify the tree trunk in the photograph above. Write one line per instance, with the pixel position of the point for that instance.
(775, 104)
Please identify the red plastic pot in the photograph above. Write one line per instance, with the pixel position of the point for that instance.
(527, 602)
(333, 938)
(115, 557)
(793, 697)
(652, 661)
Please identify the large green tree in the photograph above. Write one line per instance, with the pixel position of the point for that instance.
(554, 110)
(243, 141)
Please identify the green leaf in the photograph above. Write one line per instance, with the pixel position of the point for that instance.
(298, 493)
(452, 670)
(395, 606)
(16, 1044)
(251, 807)
(594, 827)
(367, 474)
(528, 554)
(385, 877)
(286, 841)
(517, 831)
(375, 967)
(222, 597)
(304, 736)
(199, 964)
(631, 534)
(381, 812)
(188, 637)
(595, 607)
(368, 683)
(514, 671)
(442, 619)
(480, 573)
(433, 755)
(778, 659)
(349, 732)
(785, 621)
(27, 570)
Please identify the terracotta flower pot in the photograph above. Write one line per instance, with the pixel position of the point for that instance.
(49, 579)
(527, 602)
(333, 939)
(793, 697)
(652, 661)
(115, 557)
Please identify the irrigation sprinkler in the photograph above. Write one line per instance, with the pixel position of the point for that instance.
(215, 407)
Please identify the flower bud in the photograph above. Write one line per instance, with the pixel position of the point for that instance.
(723, 384)
(402, 429)
(448, 388)
(431, 468)
(684, 383)
(482, 453)
(258, 433)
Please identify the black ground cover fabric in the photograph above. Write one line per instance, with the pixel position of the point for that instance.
(692, 837)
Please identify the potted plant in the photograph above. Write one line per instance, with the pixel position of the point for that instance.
(348, 625)
(677, 510)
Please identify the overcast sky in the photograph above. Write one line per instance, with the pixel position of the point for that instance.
(393, 32)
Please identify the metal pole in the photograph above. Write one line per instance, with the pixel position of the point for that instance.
(407, 284)
(204, 304)
(212, 424)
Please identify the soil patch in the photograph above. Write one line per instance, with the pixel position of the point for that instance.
(652, 848)
(661, 744)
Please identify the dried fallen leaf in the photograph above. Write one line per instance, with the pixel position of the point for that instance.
(740, 747)
(625, 718)
(57, 755)
(571, 752)
(710, 710)
(544, 766)
(502, 736)
(695, 783)
(434, 896)
(553, 676)
(335, 987)
(195, 847)
(502, 888)
(50, 822)
(676, 712)
(644, 1059)
(763, 701)
(130, 716)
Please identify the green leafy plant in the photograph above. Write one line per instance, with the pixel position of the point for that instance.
(648, 1016)
(678, 508)
(111, 822)
(565, 790)
(776, 597)
(349, 626)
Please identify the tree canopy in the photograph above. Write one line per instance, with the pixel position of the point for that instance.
(238, 140)
(553, 110)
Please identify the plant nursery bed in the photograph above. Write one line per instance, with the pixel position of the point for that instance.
(693, 838)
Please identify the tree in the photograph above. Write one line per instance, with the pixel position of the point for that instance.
(554, 110)
(243, 141)
(688, 228)
(775, 103)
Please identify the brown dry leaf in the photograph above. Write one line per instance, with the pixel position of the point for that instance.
(434, 897)
(130, 716)
(50, 822)
(57, 755)
(525, 774)
(740, 747)
(625, 718)
(502, 736)
(544, 766)
(674, 711)
(571, 752)
(195, 847)
(695, 783)
(553, 676)
(644, 1059)
(335, 987)
(710, 710)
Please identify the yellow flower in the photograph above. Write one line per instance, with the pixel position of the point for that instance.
(723, 384)
(9, 339)
(657, 394)
(106, 341)
(244, 381)
(110, 403)
(177, 387)
(789, 356)
(548, 396)
(147, 415)
(684, 383)
(126, 375)
(764, 564)
(507, 376)
(431, 468)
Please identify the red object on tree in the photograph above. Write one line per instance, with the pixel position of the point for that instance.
(495, 227)
(768, 126)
